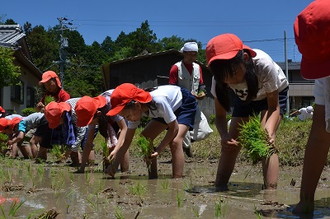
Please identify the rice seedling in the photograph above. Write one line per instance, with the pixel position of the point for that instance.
(257, 213)
(14, 207)
(218, 209)
(254, 139)
(91, 200)
(138, 189)
(106, 152)
(179, 199)
(40, 171)
(195, 211)
(119, 213)
(58, 152)
(165, 184)
(49, 99)
(146, 147)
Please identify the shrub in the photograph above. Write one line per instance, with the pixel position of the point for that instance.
(28, 111)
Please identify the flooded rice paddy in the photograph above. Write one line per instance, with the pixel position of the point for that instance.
(30, 190)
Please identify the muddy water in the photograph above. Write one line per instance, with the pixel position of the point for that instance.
(41, 187)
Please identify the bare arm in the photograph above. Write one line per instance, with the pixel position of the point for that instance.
(16, 139)
(271, 118)
(123, 130)
(220, 119)
(172, 131)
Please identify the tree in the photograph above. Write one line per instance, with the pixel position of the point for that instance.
(108, 46)
(27, 27)
(10, 21)
(9, 72)
(173, 42)
(43, 47)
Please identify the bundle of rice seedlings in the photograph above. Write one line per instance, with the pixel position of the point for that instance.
(58, 152)
(106, 158)
(254, 140)
(146, 147)
(49, 99)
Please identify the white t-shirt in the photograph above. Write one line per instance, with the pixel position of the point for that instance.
(167, 98)
(270, 78)
(107, 95)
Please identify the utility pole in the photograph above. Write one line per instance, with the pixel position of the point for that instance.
(286, 72)
(63, 44)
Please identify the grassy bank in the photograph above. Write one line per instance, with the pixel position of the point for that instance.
(291, 141)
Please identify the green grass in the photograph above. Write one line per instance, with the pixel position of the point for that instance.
(291, 139)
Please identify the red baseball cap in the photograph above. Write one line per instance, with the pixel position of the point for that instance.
(86, 108)
(47, 75)
(312, 31)
(124, 94)
(224, 47)
(4, 123)
(54, 111)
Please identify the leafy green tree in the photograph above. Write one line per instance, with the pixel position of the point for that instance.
(10, 21)
(9, 72)
(173, 42)
(108, 46)
(143, 39)
(27, 27)
(76, 43)
(43, 47)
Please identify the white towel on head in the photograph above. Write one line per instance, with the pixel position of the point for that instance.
(327, 102)
(189, 47)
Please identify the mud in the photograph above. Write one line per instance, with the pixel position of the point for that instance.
(37, 189)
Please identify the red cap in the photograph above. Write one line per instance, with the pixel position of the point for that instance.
(312, 31)
(4, 123)
(14, 122)
(54, 111)
(46, 76)
(86, 108)
(224, 47)
(2, 110)
(124, 94)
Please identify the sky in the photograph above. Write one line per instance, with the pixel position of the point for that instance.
(260, 24)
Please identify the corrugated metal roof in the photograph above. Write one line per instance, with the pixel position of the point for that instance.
(10, 35)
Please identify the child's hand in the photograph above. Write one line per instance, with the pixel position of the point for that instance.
(112, 156)
(230, 144)
(154, 155)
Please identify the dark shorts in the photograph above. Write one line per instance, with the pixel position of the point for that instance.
(86, 136)
(185, 114)
(243, 109)
(45, 133)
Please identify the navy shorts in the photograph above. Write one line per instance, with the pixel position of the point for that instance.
(243, 109)
(185, 114)
(45, 133)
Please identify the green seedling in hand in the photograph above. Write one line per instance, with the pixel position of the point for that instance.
(146, 147)
(254, 139)
(48, 99)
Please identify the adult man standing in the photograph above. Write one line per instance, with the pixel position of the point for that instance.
(188, 74)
